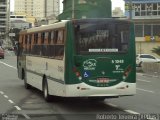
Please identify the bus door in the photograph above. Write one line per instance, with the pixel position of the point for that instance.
(20, 58)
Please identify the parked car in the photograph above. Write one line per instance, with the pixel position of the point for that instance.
(141, 58)
(1, 53)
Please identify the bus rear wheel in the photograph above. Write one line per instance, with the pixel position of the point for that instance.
(46, 95)
(96, 99)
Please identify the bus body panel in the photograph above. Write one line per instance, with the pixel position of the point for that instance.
(100, 72)
(36, 69)
(84, 90)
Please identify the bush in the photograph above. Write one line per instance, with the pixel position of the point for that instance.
(156, 50)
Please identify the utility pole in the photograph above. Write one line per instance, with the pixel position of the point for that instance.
(73, 9)
(45, 8)
(130, 9)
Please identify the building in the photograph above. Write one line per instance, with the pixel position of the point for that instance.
(38, 9)
(20, 24)
(17, 17)
(117, 12)
(77, 9)
(146, 16)
(4, 18)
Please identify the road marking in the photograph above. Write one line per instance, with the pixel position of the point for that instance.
(155, 76)
(8, 65)
(132, 112)
(18, 108)
(5, 96)
(112, 105)
(147, 75)
(11, 101)
(145, 90)
(139, 74)
(26, 116)
(143, 80)
(1, 92)
(128, 111)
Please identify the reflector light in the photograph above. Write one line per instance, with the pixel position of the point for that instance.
(83, 88)
(80, 78)
(121, 88)
(74, 69)
(78, 74)
(127, 71)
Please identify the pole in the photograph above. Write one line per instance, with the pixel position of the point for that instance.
(130, 9)
(73, 14)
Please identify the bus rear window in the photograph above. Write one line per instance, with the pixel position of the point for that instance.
(105, 37)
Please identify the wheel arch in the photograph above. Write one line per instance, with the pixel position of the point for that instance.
(44, 79)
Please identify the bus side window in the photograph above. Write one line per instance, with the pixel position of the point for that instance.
(59, 50)
(34, 45)
(55, 37)
(38, 45)
(52, 37)
(52, 43)
(32, 42)
(60, 39)
(35, 38)
(42, 37)
(29, 43)
(49, 37)
(25, 43)
(46, 38)
(51, 51)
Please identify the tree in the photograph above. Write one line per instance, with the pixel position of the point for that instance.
(156, 50)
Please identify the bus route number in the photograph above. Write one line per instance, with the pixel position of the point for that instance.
(118, 61)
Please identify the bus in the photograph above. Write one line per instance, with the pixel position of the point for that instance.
(91, 58)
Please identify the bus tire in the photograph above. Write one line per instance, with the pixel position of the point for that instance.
(140, 64)
(46, 95)
(26, 85)
(96, 99)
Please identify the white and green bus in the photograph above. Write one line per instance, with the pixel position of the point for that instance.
(93, 58)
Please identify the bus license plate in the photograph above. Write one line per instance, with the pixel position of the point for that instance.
(102, 80)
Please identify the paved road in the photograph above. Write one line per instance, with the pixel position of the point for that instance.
(29, 104)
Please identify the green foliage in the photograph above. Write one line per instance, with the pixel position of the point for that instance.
(156, 50)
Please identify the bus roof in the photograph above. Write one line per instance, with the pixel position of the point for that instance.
(63, 23)
(46, 27)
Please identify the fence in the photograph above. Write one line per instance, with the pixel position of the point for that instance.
(151, 68)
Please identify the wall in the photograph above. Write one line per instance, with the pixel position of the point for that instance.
(146, 47)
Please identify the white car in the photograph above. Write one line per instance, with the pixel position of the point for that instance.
(140, 58)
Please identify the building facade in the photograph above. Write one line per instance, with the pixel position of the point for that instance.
(146, 16)
(4, 20)
(37, 8)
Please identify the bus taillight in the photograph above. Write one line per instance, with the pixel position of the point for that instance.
(127, 71)
(78, 74)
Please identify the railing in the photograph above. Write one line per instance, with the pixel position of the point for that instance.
(151, 68)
